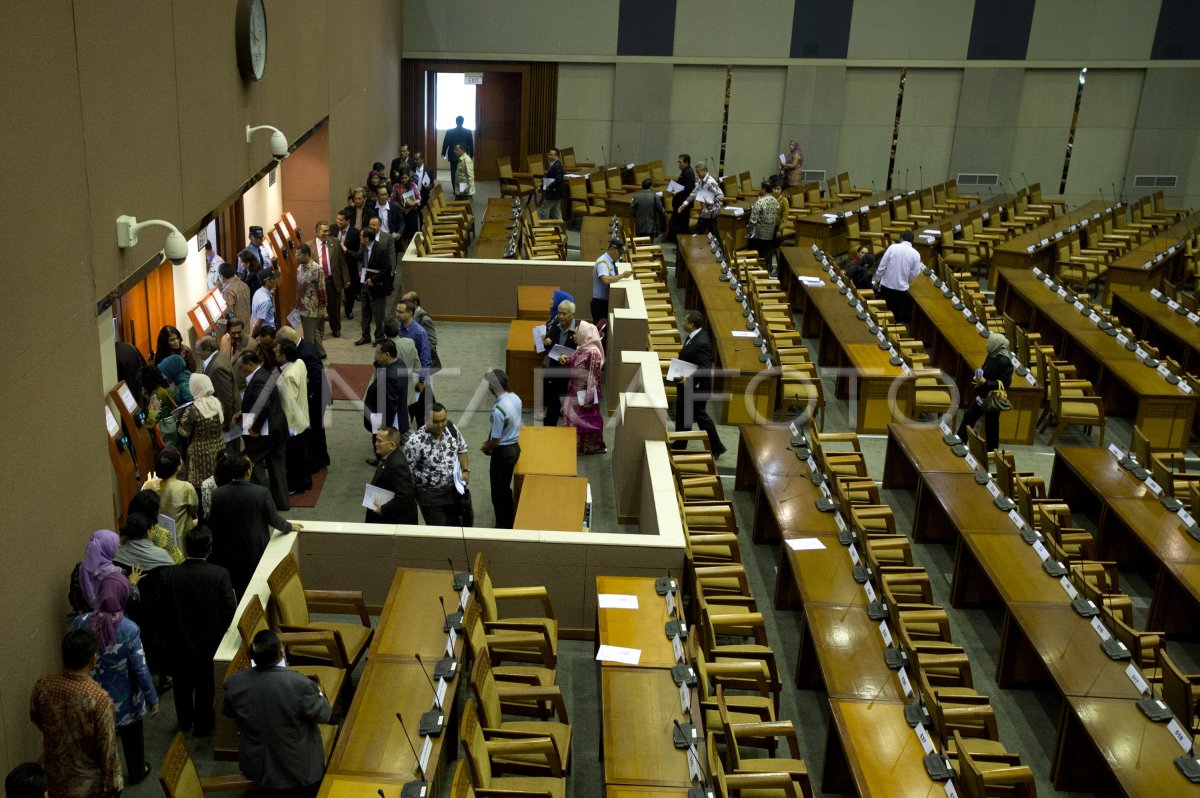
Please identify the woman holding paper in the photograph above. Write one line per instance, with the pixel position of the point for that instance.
(791, 164)
(407, 194)
(582, 410)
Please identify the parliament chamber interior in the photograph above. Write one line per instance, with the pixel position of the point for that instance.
(835, 581)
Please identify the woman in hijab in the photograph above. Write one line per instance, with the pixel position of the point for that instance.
(997, 369)
(200, 431)
(559, 296)
(176, 371)
(121, 670)
(148, 503)
(582, 408)
(793, 167)
(97, 566)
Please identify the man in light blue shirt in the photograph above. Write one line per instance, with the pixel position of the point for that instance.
(409, 328)
(262, 308)
(502, 446)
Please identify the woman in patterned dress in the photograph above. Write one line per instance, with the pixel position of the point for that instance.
(200, 431)
(585, 415)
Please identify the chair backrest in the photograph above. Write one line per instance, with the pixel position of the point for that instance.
(470, 733)
(974, 781)
(252, 621)
(288, 592)
(178, 775)
(1177, 691)
(483, 684)
(504, 166)
(657, 172)
(1139, 445)
(484, 589)
(977, 447)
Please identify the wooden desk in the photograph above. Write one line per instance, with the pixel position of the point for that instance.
(411, 621)
(751, 388)
(638, 791)
(871, 750)
(830, 235)
(1146, 265)
(1129, 388)
(552, 503)
(545, 450)
(533, 302)
(813, 577)
(638, 708)
(833, 636)
(1176, 336)
(956, 347)
(1036, 248)
(521, 360)
(913, 450)
(641, 628)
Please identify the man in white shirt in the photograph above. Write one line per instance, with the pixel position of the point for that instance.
(214, 264)
(898, 267)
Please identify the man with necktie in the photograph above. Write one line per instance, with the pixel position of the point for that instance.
(327, 251)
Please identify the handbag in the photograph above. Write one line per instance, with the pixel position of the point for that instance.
(997, 401)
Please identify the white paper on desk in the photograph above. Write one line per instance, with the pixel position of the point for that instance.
(674, 187)
(677, 648)
(558, 351)
(626, 656)
(547, 182)
(680, 370)
(616, 601)
(805, 544)
(742, 333)
(812, 280)
(539, 335)
(372, 493)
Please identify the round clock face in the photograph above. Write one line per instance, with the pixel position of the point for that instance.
(258, 38)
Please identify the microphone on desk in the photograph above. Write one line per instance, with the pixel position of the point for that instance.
(1153, 707)
(684, 735)
(461, 578)
(433, 721)
(452, 620)
(418, 787)
(1026, 179)
(1111, 646)
(1188, 764)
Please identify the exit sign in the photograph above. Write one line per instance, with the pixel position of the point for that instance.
(473, 79)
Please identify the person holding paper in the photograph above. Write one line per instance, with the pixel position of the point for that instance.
(691, 393)
(604, 274)
(406, 314)
(648, 212)
(582, 410)
(791, 164)
(389, 214)
(424, 180)
(457, 137)
(200, 429)
(502, 446)
(436, 453)
(266, 427)
(293, 392)
(407, 194)
(392, 475)
(179, 499)
(464, 175)
(400, 163)
(552, 187)
(377, 284)
(385, 403)
(559, 332)
(687, 183)
(277, 712)
(899, 266)
(997, 369)
(262, 308)
(708, 196)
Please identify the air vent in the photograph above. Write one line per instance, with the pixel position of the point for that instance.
(809, 177)
(1155, 181)
(978, 180)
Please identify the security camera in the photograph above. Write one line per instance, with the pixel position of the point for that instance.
(174, 247)
(279, 143)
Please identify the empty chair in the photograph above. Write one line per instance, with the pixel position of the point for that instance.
(738, 734)
(546, 626)
(1074, 402)
(179, 778)
(980, 777)
(479, 753)
(1180, 692)
(292, 600)
(491, 695)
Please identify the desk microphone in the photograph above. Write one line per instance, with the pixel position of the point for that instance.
(418, 787)
(684, 735)
(452, 620)
(433, 721)
(461, 578)
(1188, 764)
(1113, 647)
(1153, 707)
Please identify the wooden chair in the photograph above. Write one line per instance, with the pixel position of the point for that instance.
(980, 778)
(960, 709)
(582, 203)
(738, 734)
(800, 388)
(461, 786)
(570, 163)
(510, 186)
(293, 603)
(1145, 647)
(491, 695)
(546, 626)
(179, 778)
(1180, 692)
(532, 675)
(482, 755)
(1074, 402)
(776, 784)
(324, 644)
(748, 691)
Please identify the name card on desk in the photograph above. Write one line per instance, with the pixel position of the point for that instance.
(1042, 553)
(677, 648)
(1068, 588)
(854, 558)
(1122, 339)
(1162, 369)
(811, 463)
(1186, 517)
(1184, 387)
(1037, 272)
(625, 656)
(1135, 676)
(870, 591)
(1062, 292)
(685, 698)
(905, 682)
(885, 633)
(994, 489)
(923, 736)
(1100, 629)
(1094, 317)
(944, 428)
(1029, 378)
(950, 791)
(1016, 518)
(694, 772)
(841, 522)
(972, 462)
(1078, 305)
(1154, 487)
(1182, 737)
(1049, 281)
(440, 694)
(451, 639)
(670, 603)
(1116, 451)
(1154, 292)
(1193, 318)
(426, 749)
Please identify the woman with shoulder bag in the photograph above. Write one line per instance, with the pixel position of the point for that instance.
(992, 382)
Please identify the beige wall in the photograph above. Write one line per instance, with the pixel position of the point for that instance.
(134, 109)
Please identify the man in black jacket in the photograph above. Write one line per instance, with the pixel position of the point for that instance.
(559, 332)
(350, 239)
(376, 284)
(198, 606)
(241, 520)
(457, 135)
(265, 427)
(553, 191)
(691, 393)
(393, 474)
(385, 403)
(680, 212)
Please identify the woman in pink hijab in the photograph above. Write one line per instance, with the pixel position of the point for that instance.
(582, 408)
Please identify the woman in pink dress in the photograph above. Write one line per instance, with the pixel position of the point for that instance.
(582, 408)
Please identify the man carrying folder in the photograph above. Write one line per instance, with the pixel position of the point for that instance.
(552, 188)
(692, 386)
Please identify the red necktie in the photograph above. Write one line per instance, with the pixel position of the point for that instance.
(324, 258)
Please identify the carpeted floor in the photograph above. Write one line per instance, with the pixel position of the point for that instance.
(349, 380)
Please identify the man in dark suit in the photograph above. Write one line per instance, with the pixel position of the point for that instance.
(385, 403)
(393, 474)
(327, 252)
(401, 161)
(552, 195)
(351, 241)
(377, 284)
(424, 178)
(691, 393)
(389, 214)
(265, 427)
(198, 606)
(559, 332)
(217, 368)
(318, 398)
(277, 711)
(679, 211)
(241, 520)
(457, 135)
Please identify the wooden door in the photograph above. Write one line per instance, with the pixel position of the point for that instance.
(146, 307)
(497, 122)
